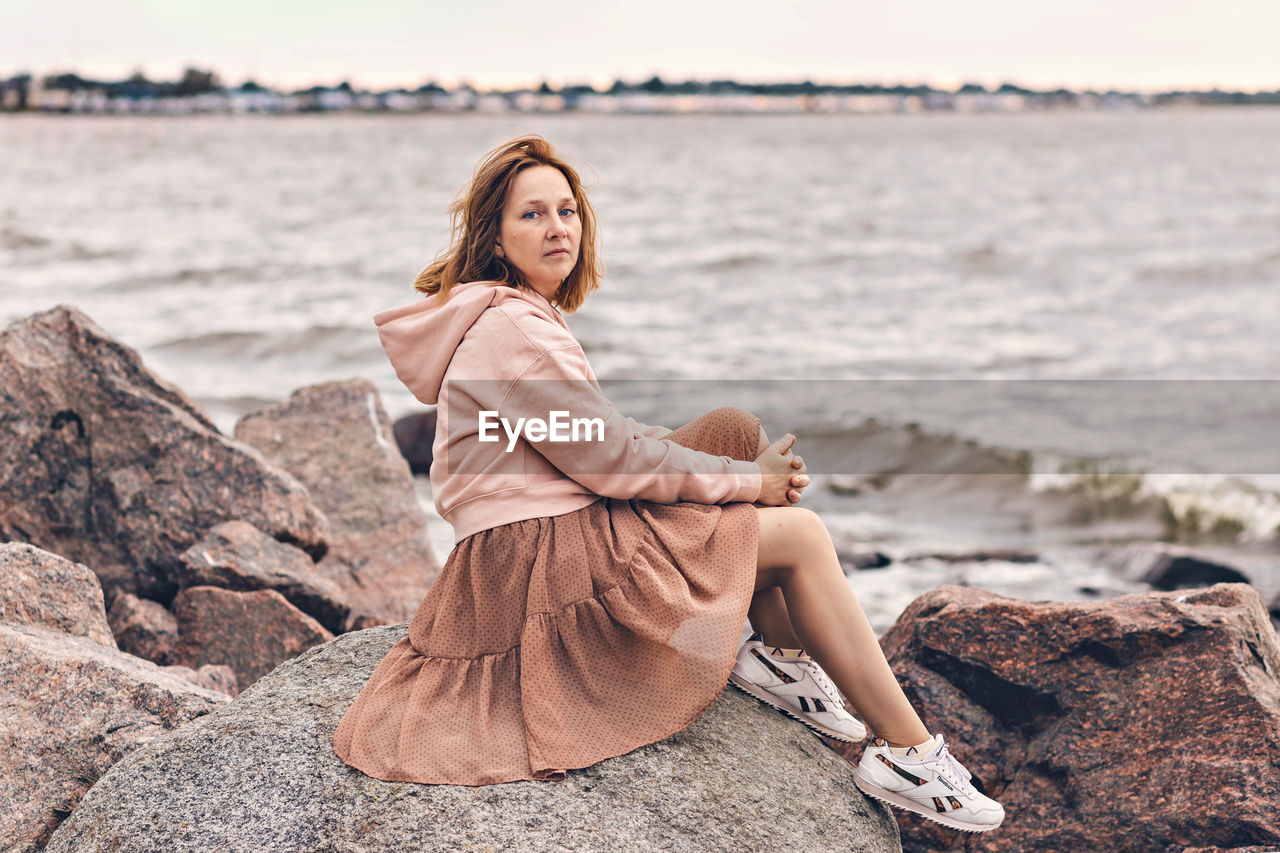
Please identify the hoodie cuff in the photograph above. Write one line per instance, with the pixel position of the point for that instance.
(752, 480)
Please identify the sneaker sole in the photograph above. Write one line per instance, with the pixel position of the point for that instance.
(871, 789)
(748, 688)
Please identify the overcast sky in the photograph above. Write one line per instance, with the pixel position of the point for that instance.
(1144, 45)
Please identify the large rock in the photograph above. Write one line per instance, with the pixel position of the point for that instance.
(415, 435)
(144, 628)
(742, 777)
(214, 676)
(236, 555)
(251, 632)
(71, 703)
(1143, 723)
(1170, 566)
(109, 465)
(39, 588)
(336, 438)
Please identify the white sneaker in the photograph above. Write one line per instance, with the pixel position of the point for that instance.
(796, 686)
(934, 785)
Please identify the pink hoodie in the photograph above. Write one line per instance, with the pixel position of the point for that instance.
(509, 350)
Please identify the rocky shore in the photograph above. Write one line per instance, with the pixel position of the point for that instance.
(185, 615)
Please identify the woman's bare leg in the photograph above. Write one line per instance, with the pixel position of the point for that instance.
(797, 558)
(768, 611)
(768, 615)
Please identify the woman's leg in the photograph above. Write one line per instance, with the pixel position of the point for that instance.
(798, 559)
(768, 615)
(802, 599)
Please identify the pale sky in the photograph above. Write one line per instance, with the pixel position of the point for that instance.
(1139, 45)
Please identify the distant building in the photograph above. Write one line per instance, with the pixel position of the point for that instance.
(249, 97)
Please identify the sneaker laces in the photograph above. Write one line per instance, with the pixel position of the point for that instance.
(954, 770)
(825, 683)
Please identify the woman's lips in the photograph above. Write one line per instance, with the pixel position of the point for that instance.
(558, 252)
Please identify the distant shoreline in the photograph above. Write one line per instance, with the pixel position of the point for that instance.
(202, 92)
(692, 114)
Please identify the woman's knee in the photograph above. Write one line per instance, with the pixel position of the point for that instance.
(754, 440)
(790, 536)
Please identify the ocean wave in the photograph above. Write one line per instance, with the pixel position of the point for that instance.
(735, 263)
(335, 344)
(13, 239)
(24, 248)
(1115, 496)
(1213, 271)
(277, 274)
(184, 276)
(1192, 507)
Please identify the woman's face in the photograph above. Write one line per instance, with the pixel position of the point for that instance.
(540, 230)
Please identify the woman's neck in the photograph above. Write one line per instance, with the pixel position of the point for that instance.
(549, 297)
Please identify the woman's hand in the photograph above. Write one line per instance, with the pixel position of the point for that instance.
(783, 475)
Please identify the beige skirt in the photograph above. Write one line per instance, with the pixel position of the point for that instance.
(553, 643)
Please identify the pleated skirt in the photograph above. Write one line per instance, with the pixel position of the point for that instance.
(553, 643)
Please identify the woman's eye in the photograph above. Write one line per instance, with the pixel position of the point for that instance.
(530, 213)
(568, 210)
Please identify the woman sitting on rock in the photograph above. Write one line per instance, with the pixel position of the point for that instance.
(595, 596)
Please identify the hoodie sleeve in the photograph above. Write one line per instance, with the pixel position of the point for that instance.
(650, 431)
(606, 453)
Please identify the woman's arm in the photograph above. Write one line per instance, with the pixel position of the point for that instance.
(650, 431)
(609, 455)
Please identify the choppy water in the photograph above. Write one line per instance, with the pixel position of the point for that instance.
(246, 256)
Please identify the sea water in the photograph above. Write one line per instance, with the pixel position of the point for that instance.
(749, 259)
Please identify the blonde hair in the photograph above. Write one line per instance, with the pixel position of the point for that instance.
(476, 218)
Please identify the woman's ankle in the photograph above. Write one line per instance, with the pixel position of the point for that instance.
(907, 744)
(785, 643)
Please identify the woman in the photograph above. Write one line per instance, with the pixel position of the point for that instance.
(595, 596)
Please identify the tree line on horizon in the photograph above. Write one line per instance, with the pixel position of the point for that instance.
(195, 81)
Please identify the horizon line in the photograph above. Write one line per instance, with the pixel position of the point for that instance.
(560, 82)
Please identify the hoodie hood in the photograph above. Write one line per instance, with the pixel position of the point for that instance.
(420, 337)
